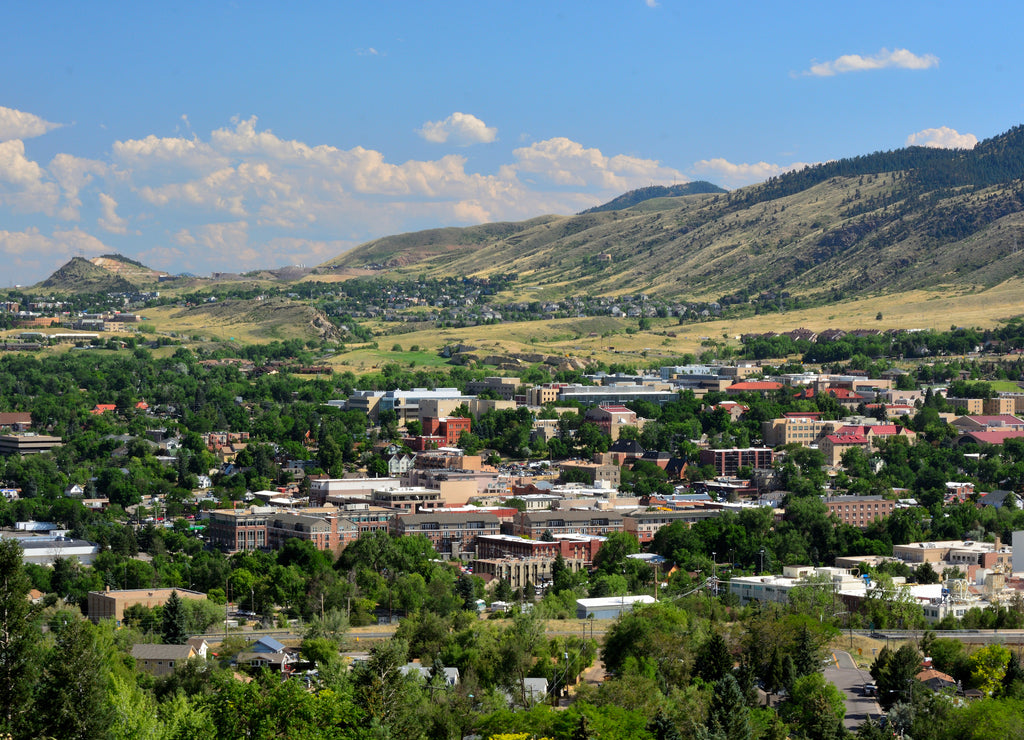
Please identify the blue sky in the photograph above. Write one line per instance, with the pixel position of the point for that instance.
(213, 136)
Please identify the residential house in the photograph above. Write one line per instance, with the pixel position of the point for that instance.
(15, 421)
(268, 653)
(161, 660)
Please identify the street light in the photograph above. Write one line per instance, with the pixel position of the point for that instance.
(762, 560)
(714, 573)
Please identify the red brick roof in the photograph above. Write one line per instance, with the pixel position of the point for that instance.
(847, 439)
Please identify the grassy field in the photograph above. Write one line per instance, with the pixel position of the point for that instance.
(600, 338)
(614, 340)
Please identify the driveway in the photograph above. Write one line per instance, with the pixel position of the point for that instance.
(848, 678)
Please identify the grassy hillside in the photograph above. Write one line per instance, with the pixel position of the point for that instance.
(883, 223)
(246, 321)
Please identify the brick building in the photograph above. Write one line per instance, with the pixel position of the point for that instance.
(534, 524)
(610, 419)
(452, 533)
(330, 533)
(233, 530)
(859, 511)
(501, 546)
(728, 461)
(111, 604)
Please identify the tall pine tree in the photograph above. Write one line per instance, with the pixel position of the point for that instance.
(174, 629)
(17, 665)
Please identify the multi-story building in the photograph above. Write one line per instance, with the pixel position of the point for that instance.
(518, 572)
(329, 532)
(619, 393)
(407, 498)
(505, 388)
(728, 461)
(534, 524)
(539, 395)
(573, 547)
(859, 511)
(833, 446)
(983, 406)
(367, 518)
(27, 444)
(611, 418)
(233, 530)
(323, 490)
(595, 472)
(447, 428)
(801, 429)
(452, 533)
(644, 524)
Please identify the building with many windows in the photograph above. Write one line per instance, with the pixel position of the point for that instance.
(452, 533)
(535, 524)
(233, 530)
(728, 461)
(859, 511)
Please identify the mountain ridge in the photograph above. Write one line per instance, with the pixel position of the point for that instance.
(887, 221)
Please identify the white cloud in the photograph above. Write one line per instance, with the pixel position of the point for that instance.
(900, 58)
(33, 252)
(462, 129)
(651, 3)
(564, 162)
(153, 153)
(109, 220)
(23, 183)
(16, 124)
(242, 197)
(734, 175)
(942, 138)
(73, 174)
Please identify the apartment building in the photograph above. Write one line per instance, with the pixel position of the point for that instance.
(534, 524)
(728, 461)
(859, 511)
(233, 530)
(452, 533)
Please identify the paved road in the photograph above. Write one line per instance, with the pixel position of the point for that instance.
(850, 679)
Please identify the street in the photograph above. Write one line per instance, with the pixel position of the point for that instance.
(848, 678)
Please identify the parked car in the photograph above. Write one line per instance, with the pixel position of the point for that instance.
(870, 689)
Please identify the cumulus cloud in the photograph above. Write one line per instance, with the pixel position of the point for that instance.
(24, 185)
(942, 138)
(16, 124)
(109, 220)
(459, 128)
(73, 174)
(33, 252)
(734, 175)
(243, 197)
(564, 162)
(900, 58)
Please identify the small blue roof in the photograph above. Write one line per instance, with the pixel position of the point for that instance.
(267, 645)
